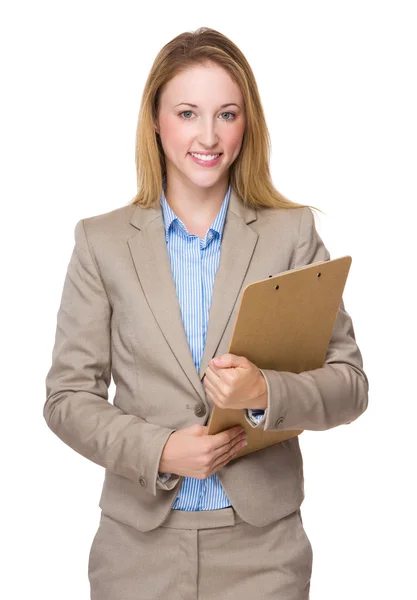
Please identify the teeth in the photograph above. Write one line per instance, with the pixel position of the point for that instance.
(205, 157)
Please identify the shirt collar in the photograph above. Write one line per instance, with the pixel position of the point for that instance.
(218, 224)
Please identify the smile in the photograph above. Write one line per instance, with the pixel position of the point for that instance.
(206, 160)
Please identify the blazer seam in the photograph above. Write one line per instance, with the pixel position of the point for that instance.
(299, 236)
(95, 261)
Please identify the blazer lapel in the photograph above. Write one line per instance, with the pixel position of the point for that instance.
(237, 248)
(151, 259)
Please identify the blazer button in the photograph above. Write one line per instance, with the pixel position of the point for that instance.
(142, 481)
(279, 421)
(200, 410)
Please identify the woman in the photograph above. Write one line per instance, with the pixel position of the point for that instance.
(180, 518)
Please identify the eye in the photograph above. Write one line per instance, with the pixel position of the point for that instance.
(184, 112)
(229, 113)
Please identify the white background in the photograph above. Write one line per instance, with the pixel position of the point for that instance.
(338, 84)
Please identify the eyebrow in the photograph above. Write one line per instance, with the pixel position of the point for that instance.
(196, 106)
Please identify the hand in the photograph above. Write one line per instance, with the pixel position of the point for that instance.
(191, 452)
(233, 381)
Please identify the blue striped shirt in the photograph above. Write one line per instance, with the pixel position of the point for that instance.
(194, 262)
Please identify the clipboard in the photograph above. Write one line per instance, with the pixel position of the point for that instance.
(284, 323)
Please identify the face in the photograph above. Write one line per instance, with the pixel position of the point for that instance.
(214, 124)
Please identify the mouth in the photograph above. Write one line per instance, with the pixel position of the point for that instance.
(206, 160)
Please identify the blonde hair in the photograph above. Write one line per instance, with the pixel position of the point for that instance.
(249, 174)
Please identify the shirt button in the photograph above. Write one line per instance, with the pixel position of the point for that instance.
(142, 481)
(279, 421)
(200, 410)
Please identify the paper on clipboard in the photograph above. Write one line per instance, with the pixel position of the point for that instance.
(284, 323)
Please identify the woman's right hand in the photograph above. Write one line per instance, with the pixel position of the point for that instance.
(191, 452)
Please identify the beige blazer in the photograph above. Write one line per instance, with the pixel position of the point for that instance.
(119, 316)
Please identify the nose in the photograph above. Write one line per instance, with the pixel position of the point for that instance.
(208, 136)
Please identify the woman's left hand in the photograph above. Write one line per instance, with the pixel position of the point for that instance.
(233, 381)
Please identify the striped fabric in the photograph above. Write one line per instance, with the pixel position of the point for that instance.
(194, 262)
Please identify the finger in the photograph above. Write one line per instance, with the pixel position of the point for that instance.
(225, 457)
(209, 385)
(212, 374)
(228, 441)
(224, 437)
(219, 390)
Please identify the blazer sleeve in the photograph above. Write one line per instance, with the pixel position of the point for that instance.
(77, 409)
(334, 394)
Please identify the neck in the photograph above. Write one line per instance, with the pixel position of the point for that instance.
(195, 205)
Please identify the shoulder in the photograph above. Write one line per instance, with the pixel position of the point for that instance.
(113, 220)
(297, 221)
(108, 226)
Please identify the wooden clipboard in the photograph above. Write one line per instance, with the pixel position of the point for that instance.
(284, 323)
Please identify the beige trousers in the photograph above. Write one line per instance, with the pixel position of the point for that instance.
(201, 555)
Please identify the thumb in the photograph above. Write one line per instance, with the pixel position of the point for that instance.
(226, 360)
(198, 429)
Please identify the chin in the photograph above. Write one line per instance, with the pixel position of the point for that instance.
(206, 180)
